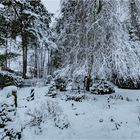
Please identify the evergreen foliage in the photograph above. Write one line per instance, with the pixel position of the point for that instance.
(100, 38)
(30, 21)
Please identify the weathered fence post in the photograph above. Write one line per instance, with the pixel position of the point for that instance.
(14, 93)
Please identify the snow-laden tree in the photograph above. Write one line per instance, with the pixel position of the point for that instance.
(72, 33)
(30, 21)
(77, 30)
(5, 38)
(95, 37)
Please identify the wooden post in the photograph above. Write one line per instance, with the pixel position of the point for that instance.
(14, 93)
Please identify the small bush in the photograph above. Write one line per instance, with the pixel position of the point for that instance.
(48, 111)
(8, 122)
(77, 97)
(7, 79)
(102, 88)
(61, 84)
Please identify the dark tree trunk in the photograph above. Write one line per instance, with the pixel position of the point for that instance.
(134, 17)
(49, 71)
(24, 51)
(6, 52)
(36, 67)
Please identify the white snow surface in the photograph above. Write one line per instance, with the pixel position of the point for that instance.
(89, 119)
(1, 6)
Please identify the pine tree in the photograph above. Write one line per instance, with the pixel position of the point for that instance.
(29, 20)
(4, 36)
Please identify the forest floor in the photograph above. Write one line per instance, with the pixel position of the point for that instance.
(93, 118)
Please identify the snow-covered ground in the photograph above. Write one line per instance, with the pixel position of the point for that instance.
(93, 118)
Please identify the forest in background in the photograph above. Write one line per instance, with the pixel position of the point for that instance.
(97, 38)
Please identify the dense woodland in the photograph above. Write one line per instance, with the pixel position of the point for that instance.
(97, 38)
(74, 76)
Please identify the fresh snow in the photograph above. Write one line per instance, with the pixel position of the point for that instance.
(1, 6)
(90, 119)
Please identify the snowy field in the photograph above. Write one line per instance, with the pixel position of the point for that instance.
(115, 116)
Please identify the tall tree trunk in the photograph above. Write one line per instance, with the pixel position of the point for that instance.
(6, 52)
(36, 67)
(134, 17)
(24, 51)
(49, 70)
(43, 62)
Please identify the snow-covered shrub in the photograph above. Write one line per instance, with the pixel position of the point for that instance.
(61, 83)
(78, 82)
(116, 97)
(102, 88)
(51, 90)
(7, 79)
(47, 111)
(36, 118)
(49, 79)
(127, 83)
(8, 121)
(11, 134)
(75, 97)
(6, 114)
(61, 122)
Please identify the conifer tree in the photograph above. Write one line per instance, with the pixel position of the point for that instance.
(30, 21)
